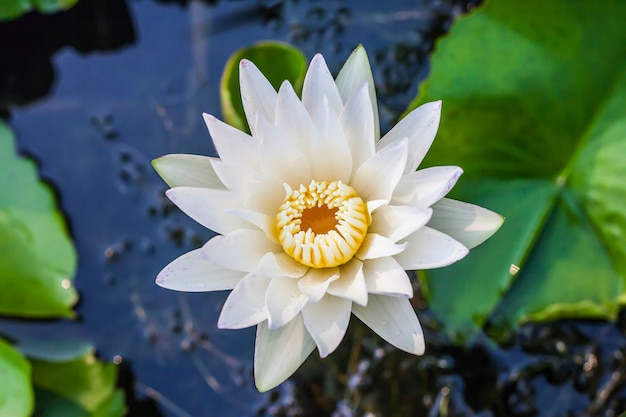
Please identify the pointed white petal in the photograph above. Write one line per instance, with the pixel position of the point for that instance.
(319, 83)
(373, 205)
(279, 158)
(354, 73)
(245, 305)
(327, 322)
(235, 178)
(180, 170)
(257, 94)
(208, 207)
(379, 175)
(280, 352)
(357, 122)
(351, 283)
(260, 220)
(394, 320)
(315, 283)
(256, 191)
(329, 154)
(469, 224)
(321, 137)
(275, 265)
(425, 187)
(397, 222)
(420, 126)
(283, 301)
(385, 276)
(191, 272)
(240, 250)
(233, 146)
(292, 119)
(377, 246)
(428, 248)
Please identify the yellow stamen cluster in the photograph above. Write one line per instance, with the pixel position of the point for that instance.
(322, 225)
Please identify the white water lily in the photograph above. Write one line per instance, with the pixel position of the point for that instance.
(318, 218)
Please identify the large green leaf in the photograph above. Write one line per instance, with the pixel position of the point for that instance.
(11, 9)
(80, 387)
(16, 394)
(265, 55)
(534, 99)
(37, 258)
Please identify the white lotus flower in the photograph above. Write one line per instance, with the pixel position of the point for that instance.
(318, 218)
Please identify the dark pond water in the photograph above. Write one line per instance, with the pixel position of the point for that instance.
(95, 93)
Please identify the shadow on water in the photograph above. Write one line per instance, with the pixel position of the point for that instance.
(28, 44)
(96, 92)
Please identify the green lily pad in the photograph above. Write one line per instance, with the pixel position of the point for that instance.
(277, 61)
(533, 95)
(11, 9)
(16, 395)
(81, 387)
(37, 258)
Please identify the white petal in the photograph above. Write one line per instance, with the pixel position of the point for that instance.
(379, 175)
(319, 83)
(357, 122)
(233, 146)
(428, 248)
(320, 138)
(420, 126)
(257, 94)
(329, 154)
(260, 220)
(245, 305)
(377, 246)
(236, 178)
(327, 322)
(397, 222)
(394, 320)
(283, 301)
(276, 265)
(255, 191)
(373, 205)
(425, 187)
(279, 158)
(315, 283)
(279, 352)
(180, 170)
(469, 224)
(191, 272)
(208, 207)
(292, 119)
(385, 276)
(354, 73)
(240, 250)
(351, 283)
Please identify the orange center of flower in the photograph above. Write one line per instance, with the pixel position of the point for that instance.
(322, 225)
(319, 219)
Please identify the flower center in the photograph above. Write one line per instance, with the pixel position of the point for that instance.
(322, 225)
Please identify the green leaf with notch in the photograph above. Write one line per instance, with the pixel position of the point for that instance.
(533, 95)
(277, 61)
